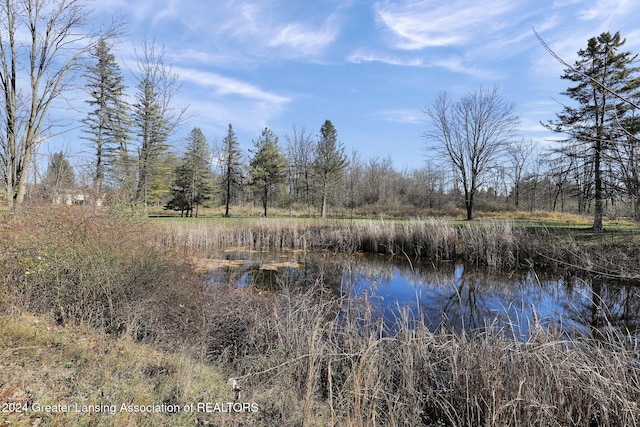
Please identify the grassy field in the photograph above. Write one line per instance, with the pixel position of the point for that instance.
(102, 309)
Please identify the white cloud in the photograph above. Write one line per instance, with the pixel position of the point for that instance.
(407, 116)
(455, 64)
(433, 23)
(304, 40)
(460, 66)
(223, 85)
(362, 56)
(602, 10)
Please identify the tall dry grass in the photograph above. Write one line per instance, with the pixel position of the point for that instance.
(334, 366)
(492, 243)
(305, 355)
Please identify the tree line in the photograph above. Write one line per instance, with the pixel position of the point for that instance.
(478, 158)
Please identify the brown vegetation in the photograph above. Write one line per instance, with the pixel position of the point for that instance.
(492, 243)
(88, 268)
(305, 355)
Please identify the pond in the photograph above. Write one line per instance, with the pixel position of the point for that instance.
(453, 296)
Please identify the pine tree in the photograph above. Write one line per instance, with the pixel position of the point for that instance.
(268, 167)
(107, 124)
(155, 115)
(230, 160)
(59, 176)
(329, 162)
(192, 185)
(162, 177)
(593, 125)
(153, 132)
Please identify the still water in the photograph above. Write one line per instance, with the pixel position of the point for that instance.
(453, 296)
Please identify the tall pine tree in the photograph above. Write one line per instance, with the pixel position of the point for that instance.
(231, 163)
(155, 114)
(329, 162)
(107, 123)
(268, 167)
(593, 123)
(153, 133)
(192, 186)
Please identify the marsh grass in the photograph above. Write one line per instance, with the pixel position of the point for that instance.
(490, 243)
(123, 317)
(355, 370)
(500, 244)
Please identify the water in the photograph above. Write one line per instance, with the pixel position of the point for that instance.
(453, 296)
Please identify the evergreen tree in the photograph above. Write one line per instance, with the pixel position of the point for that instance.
(155, 115)
(192, 185)
(153, 131)
(107, 124)
(162, 177)
(60, 175)
(230, 160)
(329, 162)
(593, 124)
(268, 167)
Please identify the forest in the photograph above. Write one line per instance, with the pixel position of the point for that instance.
(475, 156)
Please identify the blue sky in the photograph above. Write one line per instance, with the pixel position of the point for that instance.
(371, 67)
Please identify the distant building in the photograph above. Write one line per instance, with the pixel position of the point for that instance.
(75, 196)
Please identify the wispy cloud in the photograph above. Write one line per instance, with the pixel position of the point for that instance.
(243, 28)
(406, 116)
(458, 65)
(433, 23)
(361, 56)
(223, 85)
(452, 63)
(304, 40)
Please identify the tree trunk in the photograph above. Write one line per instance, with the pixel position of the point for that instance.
(468, 204)
(598, 211)
(265, 198)
(226, 208)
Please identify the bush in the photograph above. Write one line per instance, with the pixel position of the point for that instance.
(86, 267)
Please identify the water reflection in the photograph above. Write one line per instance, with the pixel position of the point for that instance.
(452, 296)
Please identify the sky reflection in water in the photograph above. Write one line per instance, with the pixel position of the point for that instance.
(454, 296)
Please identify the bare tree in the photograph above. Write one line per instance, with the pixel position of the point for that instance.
(41, 45)
(519, 154)
(301, 151)
(471, 134)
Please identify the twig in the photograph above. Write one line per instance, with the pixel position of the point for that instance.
(575, 70)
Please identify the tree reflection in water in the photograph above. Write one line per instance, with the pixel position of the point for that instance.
(451, 296)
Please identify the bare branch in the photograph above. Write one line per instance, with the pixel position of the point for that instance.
(575, 70)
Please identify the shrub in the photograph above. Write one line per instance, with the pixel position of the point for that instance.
(86, 267)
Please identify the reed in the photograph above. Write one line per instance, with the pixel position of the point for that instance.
(354, 370)
(305, 355)
(491, 243)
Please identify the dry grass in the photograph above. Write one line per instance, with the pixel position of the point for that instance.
(45, 364)
(81, 267)
(346, 368)
(491, 243)
(502, 244)
(304, 355)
